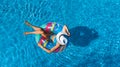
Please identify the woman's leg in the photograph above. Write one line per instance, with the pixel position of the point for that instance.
(34, 27)
(65, 29)
(35, 32)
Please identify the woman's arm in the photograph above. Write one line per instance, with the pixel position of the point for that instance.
(51, 50)
(44, 48)
(62, 47)
(55, 47)
(65, 29)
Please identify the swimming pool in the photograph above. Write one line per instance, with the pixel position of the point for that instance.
(94, 27)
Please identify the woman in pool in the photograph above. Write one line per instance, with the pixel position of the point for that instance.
(48, 36)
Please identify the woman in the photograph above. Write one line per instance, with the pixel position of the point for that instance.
(48, 36)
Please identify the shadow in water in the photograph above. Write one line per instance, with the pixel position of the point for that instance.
(82, 36)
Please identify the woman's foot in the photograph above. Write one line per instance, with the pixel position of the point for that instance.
(27, 23)
(25, 33)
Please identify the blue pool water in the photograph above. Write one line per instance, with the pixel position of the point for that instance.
(94, 27)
